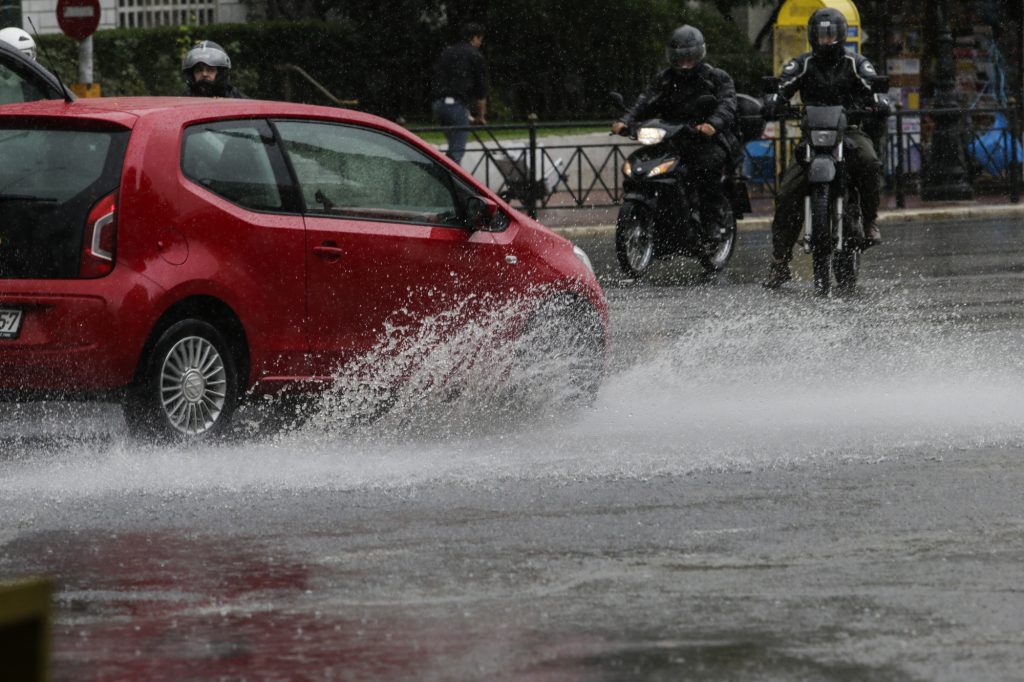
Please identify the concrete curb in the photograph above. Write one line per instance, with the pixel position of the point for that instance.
(959, 211)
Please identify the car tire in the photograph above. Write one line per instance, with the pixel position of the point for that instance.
(718, 258)
(187, 388)
(566, 335)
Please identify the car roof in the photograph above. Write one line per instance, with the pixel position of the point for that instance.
(185, 110)
(28, 69)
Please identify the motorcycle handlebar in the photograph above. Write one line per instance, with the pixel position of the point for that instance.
(631, 131)
(796, 111)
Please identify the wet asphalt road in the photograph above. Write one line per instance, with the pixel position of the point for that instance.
(770, 487)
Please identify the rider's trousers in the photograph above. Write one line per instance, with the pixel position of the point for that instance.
(864, 171)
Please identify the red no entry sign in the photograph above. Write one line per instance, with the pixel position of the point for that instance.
(78, 18)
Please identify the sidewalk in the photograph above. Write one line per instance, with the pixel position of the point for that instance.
(581, 222)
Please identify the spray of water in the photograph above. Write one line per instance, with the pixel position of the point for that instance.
(753, 382)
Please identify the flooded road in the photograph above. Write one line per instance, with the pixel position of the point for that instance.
(769, 487)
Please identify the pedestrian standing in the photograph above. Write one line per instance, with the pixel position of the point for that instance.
(460, 89)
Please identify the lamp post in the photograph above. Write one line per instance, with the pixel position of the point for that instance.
(945, 176)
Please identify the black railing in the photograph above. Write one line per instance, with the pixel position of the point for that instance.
(578, 164)
(549, 171)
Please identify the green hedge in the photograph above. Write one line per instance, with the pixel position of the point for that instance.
(148, 61)
(535, 64)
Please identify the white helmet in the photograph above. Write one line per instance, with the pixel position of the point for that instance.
(19, 39)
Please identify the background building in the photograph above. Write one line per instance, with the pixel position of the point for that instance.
(132, 13)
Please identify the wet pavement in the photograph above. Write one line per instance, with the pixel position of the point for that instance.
(771, 486)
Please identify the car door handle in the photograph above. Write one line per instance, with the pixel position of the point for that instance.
(328, 251)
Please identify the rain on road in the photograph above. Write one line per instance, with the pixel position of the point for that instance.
(771, 486)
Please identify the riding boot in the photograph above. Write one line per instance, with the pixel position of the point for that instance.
(872, 235)
(778, 274)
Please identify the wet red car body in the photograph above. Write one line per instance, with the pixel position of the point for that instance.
(270, 249)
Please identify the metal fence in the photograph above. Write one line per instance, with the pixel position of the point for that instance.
(578, 165)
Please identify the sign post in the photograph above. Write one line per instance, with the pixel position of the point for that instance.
(79, 19)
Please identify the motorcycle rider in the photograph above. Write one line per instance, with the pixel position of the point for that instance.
(207, 72)
(13, 87)
(673, 96)
(19, 39)
(827, 75)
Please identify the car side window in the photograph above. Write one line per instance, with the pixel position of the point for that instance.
(15, 88)
(347, 171)
(234, 159)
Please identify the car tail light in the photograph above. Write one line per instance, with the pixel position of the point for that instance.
(100, 238)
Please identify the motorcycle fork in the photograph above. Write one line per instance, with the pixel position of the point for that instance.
(840, 187)
(837, 194)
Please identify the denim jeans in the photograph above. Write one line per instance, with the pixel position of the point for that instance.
(455, 114)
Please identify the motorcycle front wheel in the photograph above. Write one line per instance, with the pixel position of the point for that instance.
(717, 257)
(821, 238)
(634, 238)
(846, 267)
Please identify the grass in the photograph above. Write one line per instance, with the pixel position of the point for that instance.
(438, 137)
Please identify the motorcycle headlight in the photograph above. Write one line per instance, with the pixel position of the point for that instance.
(650, 135)
(662, 168)
(824, 138)
(584, 258)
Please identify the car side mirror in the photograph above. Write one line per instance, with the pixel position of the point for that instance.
(480, 212)
(770, 84)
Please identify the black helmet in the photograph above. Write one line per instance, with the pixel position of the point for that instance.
(686, 44)
(209, 53)
(826, 32)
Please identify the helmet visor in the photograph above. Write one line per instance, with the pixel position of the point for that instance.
(826, 33)
(681, 57)
(210, 56)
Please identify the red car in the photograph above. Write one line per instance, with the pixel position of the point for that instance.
(184, 254)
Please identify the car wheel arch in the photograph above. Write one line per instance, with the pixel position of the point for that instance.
(207, 309)
(569, 298)
(566, 332)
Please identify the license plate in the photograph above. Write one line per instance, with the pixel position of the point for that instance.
(10, 323)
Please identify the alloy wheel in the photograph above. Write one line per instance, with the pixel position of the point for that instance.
(193, 385)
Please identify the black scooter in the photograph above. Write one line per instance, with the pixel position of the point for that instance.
(660, 212)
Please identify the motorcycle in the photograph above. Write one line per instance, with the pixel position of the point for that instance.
(833, 230)
(660, 212)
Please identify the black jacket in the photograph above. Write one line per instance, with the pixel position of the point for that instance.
(845, 82)
(231, 92)
(673, 96)
(460, 73)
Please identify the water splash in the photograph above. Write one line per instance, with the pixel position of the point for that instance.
(749, 382)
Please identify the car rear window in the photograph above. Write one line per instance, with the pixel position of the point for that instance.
(49, 180)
